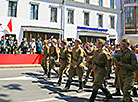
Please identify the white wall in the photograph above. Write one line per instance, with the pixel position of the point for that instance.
(23, 17)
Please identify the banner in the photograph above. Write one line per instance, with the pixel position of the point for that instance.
(10, 59)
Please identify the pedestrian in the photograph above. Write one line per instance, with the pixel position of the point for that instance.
(33, 46)
(64, 60)
(11, 44)
(99, 67)
(76, 66)
(127, 67)
(16, 46)
(24, 46)
(39, 46)
(2, 45)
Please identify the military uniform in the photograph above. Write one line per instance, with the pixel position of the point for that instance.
(64, 59)
(45, 59)
(53, 56)
(126, 73)
(100, 60)
(137, 77)
(76, 60)
(89, 58)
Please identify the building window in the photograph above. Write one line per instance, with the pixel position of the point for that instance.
(34, 11)
(70, 16)
(111, 3)
(12, 9)
(87, 1)
(86, 18)
(112, 22)
(53, 17)
(100, 2)
(100, 20)
(131, 1)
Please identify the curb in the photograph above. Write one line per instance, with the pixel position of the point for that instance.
(21, 66)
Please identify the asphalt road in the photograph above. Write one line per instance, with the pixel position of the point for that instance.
(28, 85)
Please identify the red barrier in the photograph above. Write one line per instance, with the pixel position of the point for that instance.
(6, 59)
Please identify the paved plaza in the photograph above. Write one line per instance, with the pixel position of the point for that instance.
(28, 85)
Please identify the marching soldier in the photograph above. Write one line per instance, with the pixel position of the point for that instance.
(53, 57)
(76, 66)
(64, 59)
(89, 57)
(99, 67)
(44, 62)
(127, 67)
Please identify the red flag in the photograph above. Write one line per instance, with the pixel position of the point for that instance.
(10, 25)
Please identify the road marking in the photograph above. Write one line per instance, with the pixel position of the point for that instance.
(20, 78)
(64, 97)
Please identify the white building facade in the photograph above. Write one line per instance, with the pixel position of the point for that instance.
(64, 19)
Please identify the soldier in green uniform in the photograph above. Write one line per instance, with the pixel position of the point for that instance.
(44, 62)
(99, 66)
(64, 60)
(76, 66)
(89, 57)
(127, 67)
(53, 56)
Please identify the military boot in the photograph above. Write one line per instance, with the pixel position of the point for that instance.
(85, 81)
(107, 94)
(45, 71)
(80, 87)
(117, 93)
(127, 101)
(134, 90)
(66, 89)
(59, 82)
(49, 76)
(93, 96)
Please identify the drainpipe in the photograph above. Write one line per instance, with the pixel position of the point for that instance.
(63, 18)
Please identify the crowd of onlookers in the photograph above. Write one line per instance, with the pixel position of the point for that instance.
(10, 46)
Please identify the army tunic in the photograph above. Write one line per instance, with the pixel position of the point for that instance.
(77, 59)
(44, 62)
(126, 73)
(99, 63)
(89, 58)
(65, 59)
(53, 56)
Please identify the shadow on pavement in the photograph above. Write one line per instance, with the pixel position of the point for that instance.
(3, 95)
(2, 100)
(13, 87)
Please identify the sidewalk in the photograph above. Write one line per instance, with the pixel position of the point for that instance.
(21, 66)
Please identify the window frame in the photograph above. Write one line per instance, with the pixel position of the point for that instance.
(112, 4)
(112, 27)
(71, 16)
(34, 13)
(52, 7)
(100, 24)
(101, 3)
(11, 9)
(85, 21)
